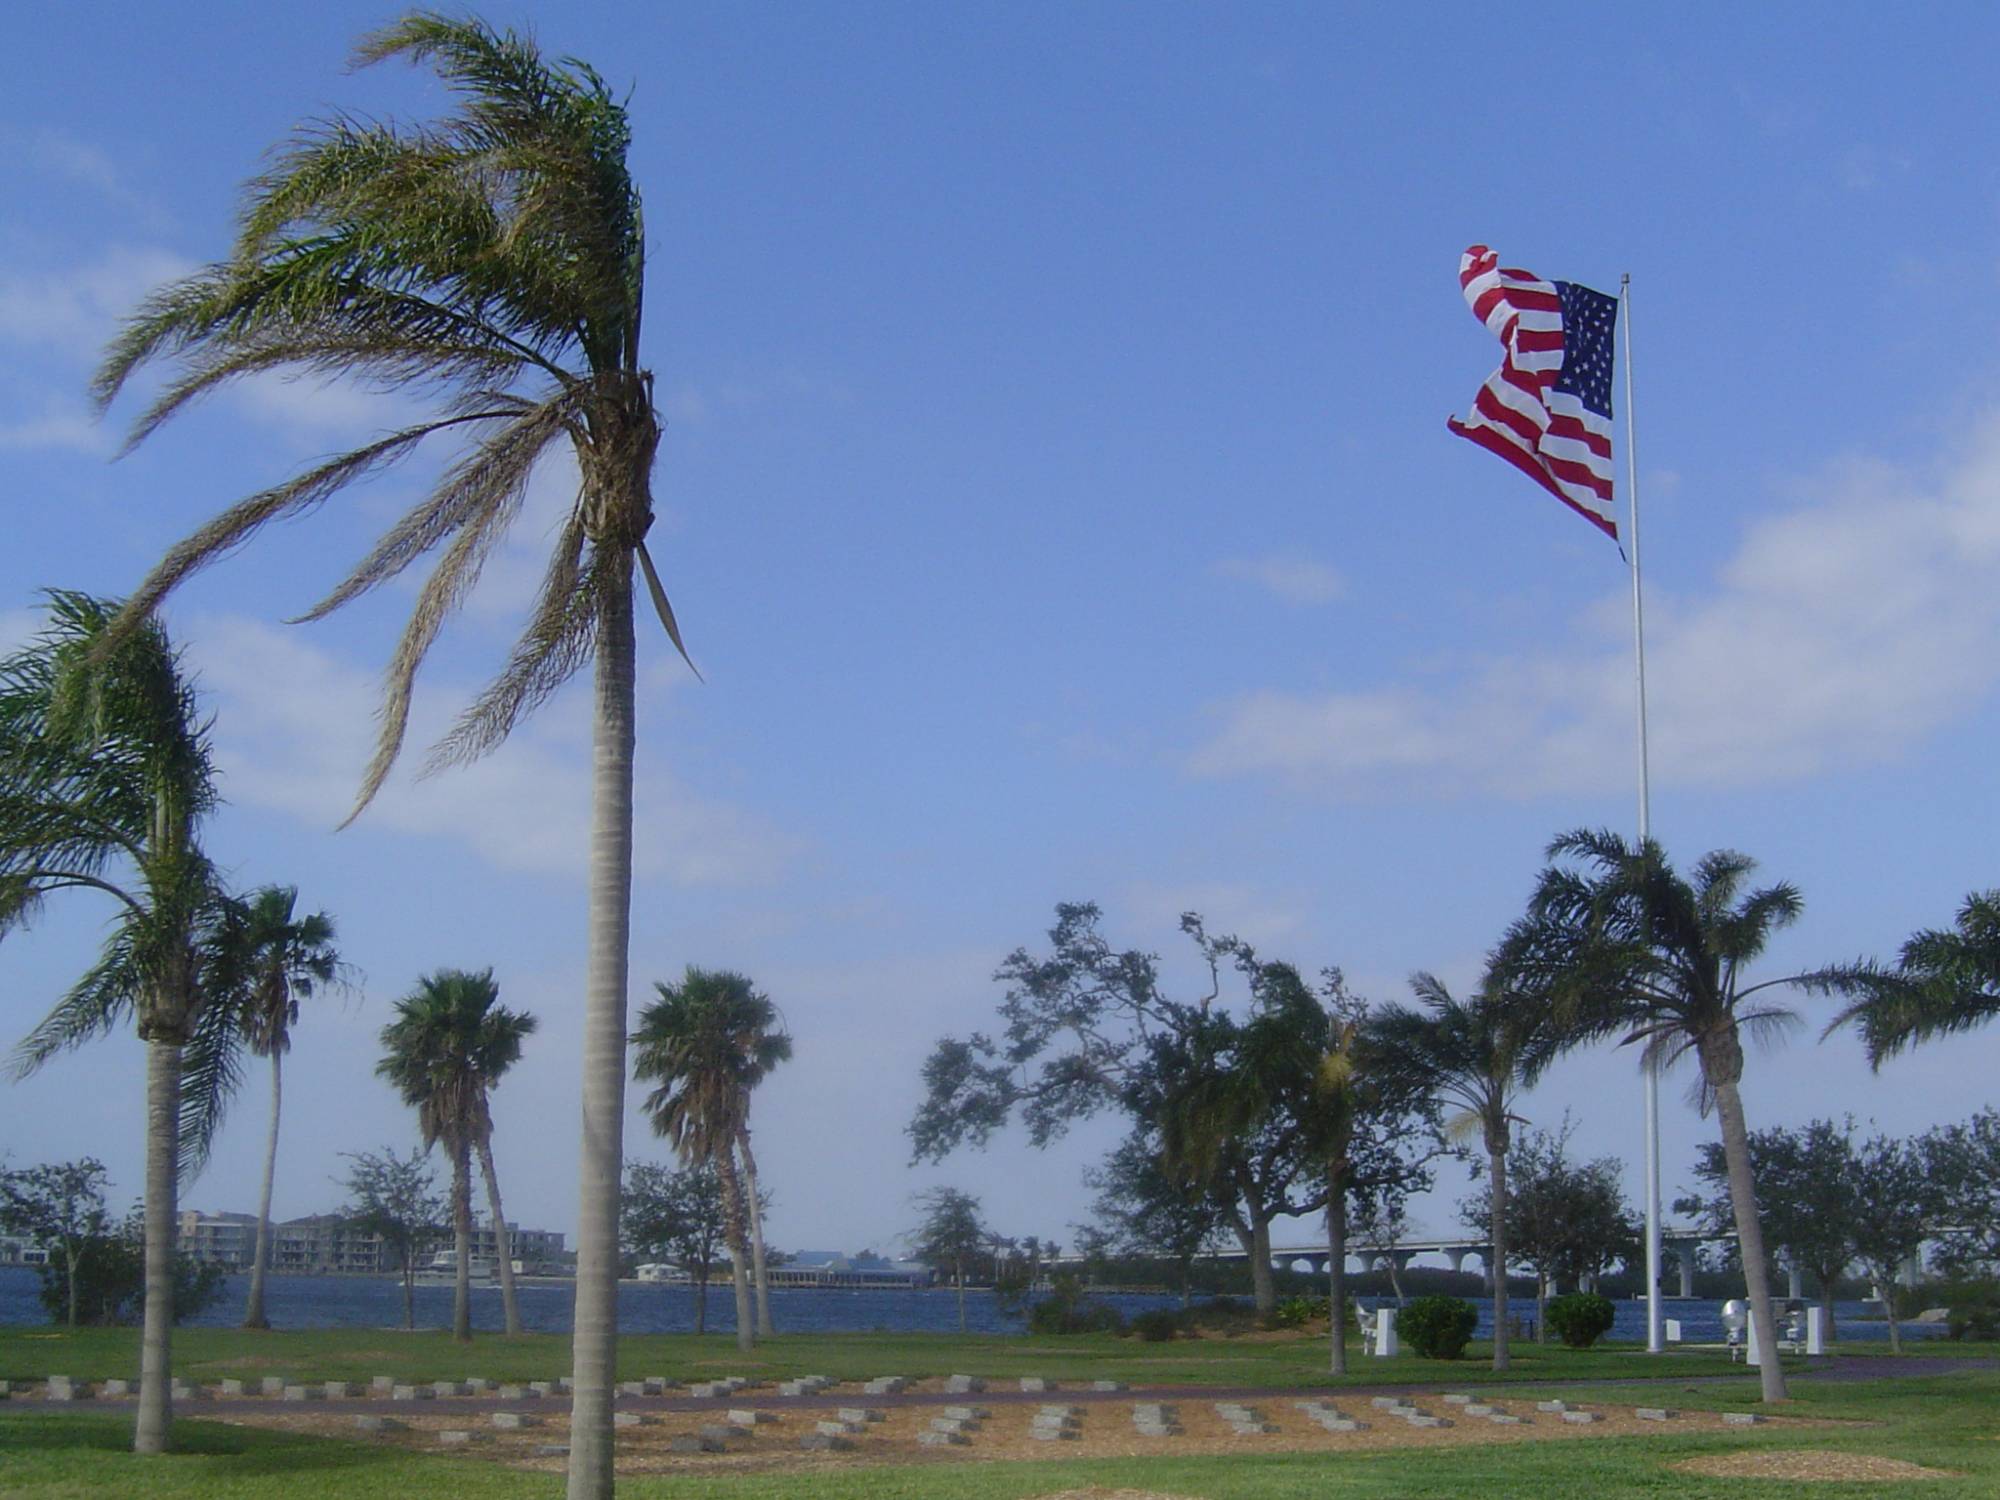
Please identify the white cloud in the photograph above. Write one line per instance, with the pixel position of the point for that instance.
(1227, 908)
(1293, 578)
(1842, 631)
(75, 310)
(57, 426)
(63, 155)
(296, 727)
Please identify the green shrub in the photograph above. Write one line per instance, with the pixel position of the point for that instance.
(1581, 1318)
(1156, 1325)
(1296, 1312)
(1972, 1310)
(1065, 1310)
(1437, 1327)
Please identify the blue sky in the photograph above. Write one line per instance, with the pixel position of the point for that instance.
(1057, 498)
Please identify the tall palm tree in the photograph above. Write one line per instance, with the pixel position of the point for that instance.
(105, 777)
(707, 1042)
(289, 958)
(494, 259)
(1469, 1056)
(1616, 943)
(447, 1049)
(1944, 982)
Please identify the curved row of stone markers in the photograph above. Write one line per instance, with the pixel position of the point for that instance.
(832, 1429)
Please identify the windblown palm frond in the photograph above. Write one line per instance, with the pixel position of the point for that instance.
(491, 264)
(1946, 981)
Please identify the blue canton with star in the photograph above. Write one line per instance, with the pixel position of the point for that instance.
(1588, 320)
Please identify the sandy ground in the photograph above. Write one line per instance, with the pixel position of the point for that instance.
(1810, 1465)
(1105, 1431)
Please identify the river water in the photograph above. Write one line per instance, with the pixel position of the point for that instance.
(377, 1302)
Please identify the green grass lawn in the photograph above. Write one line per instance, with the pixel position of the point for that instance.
(210, 1354)
(1949, 1422)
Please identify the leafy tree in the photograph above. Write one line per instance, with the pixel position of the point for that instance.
(1944, 982)
(395, 1198)
(288, 958)
(707, 1042)
(1300, 1078)
(677, 1217)
(1896, 1204)
(1152, 1212)
(447, 1050)
(1470, 1057)
(1617, 944)
(1088, 1029)
(495, 260)
(1809, 1192)
(105, 778)
(1567, 1220)
(1962, 1165)
(951, 1234)
(60, 1205)
(106, 1285)
(1379, 1228)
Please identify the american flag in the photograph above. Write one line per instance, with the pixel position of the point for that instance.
(1547, 409)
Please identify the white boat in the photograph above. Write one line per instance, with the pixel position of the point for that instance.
(443, 1271)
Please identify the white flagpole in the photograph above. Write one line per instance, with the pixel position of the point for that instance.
(1655, 1327)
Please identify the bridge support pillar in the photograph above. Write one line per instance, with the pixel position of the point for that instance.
(1683, 1254)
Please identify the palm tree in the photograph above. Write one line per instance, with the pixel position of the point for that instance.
(1626, 947)
(494, 259)
(105, 777)
(288, 958)
(1293, 1065)
(1469, 1056)
(447, 1049)
(1944, 982)
(707, 1042)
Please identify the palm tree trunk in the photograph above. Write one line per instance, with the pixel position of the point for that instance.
(765, 1328)
(1750, 1237)
(739, 1249)
(503, 1241)
(154, 1428)
(701, 1301)
(409, 1296)
(461, 1233)
(1541, 1306)
(595, 1344)
(253, 1314)
(1497, 1261)
(960, 1263)
(73, 1255)
(1336, 1273)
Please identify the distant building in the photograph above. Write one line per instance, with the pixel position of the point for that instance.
(227, 1240)
(830, 1268)
(531, 1248)
(323, 1244)
(326, 1243)
(19, 1250)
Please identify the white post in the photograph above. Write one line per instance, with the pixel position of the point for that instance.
(1752, 1355)
(1655, 1329)
(1815, 1330)
(1385, 1332)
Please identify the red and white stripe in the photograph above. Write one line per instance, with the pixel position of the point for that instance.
(1546, 434)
